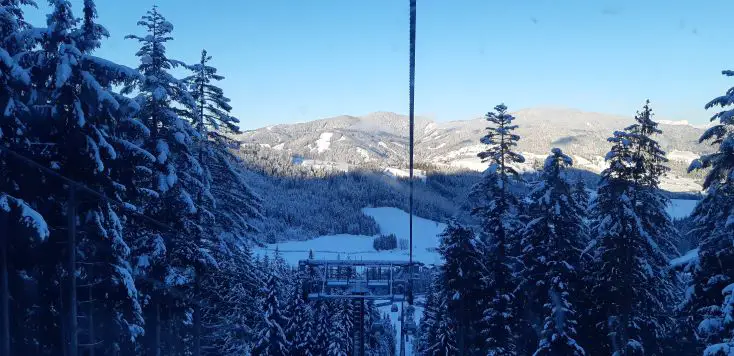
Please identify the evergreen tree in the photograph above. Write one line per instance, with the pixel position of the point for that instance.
(230, 310)
(300, 329)
(21, 191)
(461, 274)
(551, 246)
(497, 209)
(15, 83)
(373, 326)
(341, 330)
(581, 196)
(323, 319)
(427, 323)
(73, 89)
(213, 108)
(709, 296)
(388, 340)
(648, 167)
(630, 289)
(445, 334)
(178, 180)
(271, 338)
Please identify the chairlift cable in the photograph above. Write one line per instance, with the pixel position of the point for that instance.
(411, 117)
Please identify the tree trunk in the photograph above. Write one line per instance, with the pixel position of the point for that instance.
(461, 338)
(157, 328)
(90, 319)
(71, 267)
(5, 292)
(197, 315)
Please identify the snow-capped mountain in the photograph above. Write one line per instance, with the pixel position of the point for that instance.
(380, 140)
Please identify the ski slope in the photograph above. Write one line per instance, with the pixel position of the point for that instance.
(426, 238)
(359, 247)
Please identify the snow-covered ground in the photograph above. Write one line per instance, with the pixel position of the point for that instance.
(390, 221)
(405, 173)
(395, 221)
(324, 141)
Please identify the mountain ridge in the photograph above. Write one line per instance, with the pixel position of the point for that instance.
(379, 140)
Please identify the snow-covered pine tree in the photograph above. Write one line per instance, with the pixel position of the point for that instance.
(15, 84)
(23, 226)
(629, 288)
(372, 320)
(430, 313)
(271, 337)
(323, 317)
(230, 311)
(445, 333)
(709, 296)
(178, 178)
(340, 334)
(461, 274)
(300, 329)
(388, 339)
(498, 210)
(213, 108)
(237, 204)
(581, 196)
(648, 168)
(74, 89)
(551, 245)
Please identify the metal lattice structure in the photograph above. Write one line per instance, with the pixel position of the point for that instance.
(352, 279)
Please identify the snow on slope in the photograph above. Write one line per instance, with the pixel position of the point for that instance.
(344, 246)
(683, 156)
(324, 141)
(426, 238)
(404, 173)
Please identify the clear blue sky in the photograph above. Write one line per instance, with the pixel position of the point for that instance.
(299, 60)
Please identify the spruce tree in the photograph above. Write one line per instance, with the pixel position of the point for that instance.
(20, 184)
(497, 209)
(323, 317)
(630, 289)
(551, 246)
(445, 334)
(15, 85)
(212, 107)
(230, 308)
(427, 324)
(300, 328)
(709, 298)
(73, 88)
(181, 184)
(271, 338)
(372, 325)
(648, 167)
(581, 196)
(340, 330)
(461, 276)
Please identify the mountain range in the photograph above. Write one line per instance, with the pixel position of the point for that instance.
(379, 140)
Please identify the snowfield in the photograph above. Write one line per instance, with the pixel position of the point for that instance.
(324, 141)
(344, 246)
(426, 238)
(404, 173)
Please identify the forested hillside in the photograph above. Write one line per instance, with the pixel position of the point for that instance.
(129, 213)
